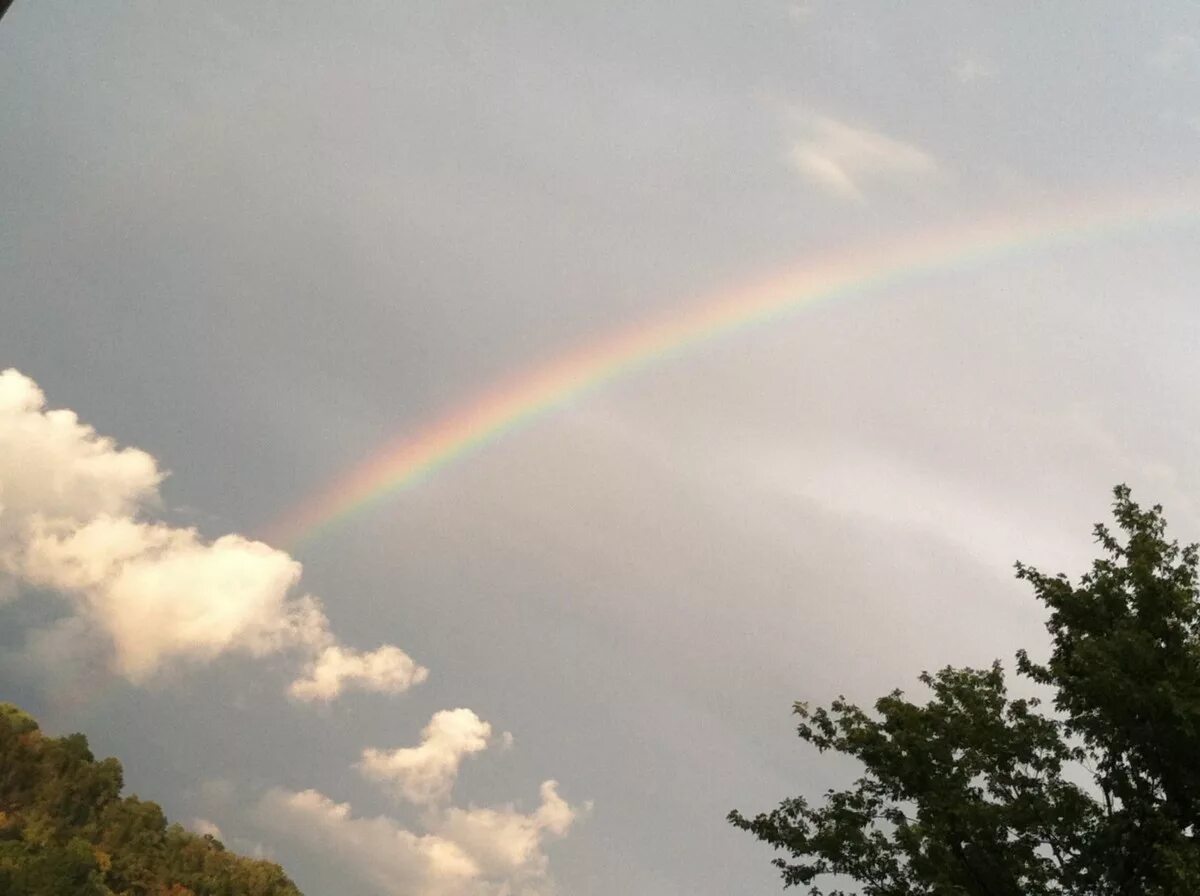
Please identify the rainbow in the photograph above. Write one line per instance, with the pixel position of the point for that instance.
(413, 457)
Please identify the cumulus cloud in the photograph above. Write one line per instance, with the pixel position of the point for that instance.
(378, 849)
(506, 843)
(843, 159)
(462, 852)
(162, 593)
(73, 520)
(76, 518)
(387, 670)
(54, 467)
(425, 774)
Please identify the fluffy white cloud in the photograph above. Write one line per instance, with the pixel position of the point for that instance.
(387, 670)
(72, 506)
(378, 850)
(425, 774)
(463, 852)
(52, 466)
(506, 843)
(163, 593)
(842, 158)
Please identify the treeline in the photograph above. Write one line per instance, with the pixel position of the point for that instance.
(65, 829)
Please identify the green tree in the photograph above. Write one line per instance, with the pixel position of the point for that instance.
(65, 828)
(974, 793)
(50, 871)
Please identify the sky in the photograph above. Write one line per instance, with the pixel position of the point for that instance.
(244, 247)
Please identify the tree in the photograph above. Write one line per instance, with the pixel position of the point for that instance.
(65, 828)
(974, 793)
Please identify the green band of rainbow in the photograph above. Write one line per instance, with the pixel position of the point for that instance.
(413, 457)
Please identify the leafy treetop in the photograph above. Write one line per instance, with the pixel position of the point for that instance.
(65, 828)
(974, 793)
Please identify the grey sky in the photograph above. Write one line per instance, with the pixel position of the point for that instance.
(257, 240)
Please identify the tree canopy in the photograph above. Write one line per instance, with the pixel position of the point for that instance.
(976, 793)
(65, 829)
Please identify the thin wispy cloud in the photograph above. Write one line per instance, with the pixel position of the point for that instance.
(847, 160)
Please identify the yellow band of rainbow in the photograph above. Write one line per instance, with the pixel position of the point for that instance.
(500, 410)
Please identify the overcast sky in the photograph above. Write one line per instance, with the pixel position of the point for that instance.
(247, 244)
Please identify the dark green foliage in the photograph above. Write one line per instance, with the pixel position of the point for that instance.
(65, 829)
(19, 720)
(50, 870)
(977, 794)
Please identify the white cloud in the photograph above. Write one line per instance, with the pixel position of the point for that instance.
(425, 774)
(842, 158)
(54, 467)
(505, 842)
(162, 593)
(555, 815)
(75, 519)
(72, 506)
(204, 827)
(378, 850)
(463, 852)
(387, 670)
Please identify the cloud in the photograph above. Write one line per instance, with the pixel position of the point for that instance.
(162, 593)
(73, 509)
(505, 842)
(52, 466)
(842, 159)
(425, 774)
(204, 827)
(387, 670)
(378, 849)
(462, 852)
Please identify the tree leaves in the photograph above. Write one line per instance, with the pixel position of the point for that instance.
(978, 794)
(64, 828)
